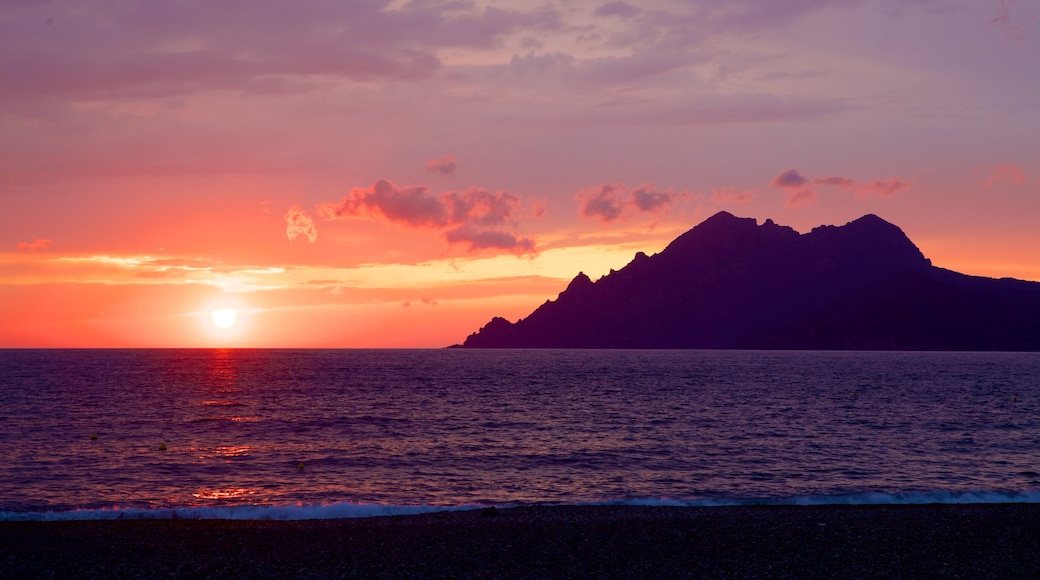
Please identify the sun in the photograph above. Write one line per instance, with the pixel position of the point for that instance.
(224, 317)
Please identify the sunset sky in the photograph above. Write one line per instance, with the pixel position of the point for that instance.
(393, 174)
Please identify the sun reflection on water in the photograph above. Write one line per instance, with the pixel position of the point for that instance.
(226, 452)
(228, 493)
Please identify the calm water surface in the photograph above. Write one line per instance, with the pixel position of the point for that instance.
(463, 427)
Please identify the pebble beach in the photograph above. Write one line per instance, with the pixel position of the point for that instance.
(876, 541)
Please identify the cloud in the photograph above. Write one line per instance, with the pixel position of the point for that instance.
(299, 224)
(875, 187)
(884, 186)
(800, 197)
(1005, 21)
(409, 206)
(622, 9)
(1004, 173)
(37, 244)
(800, 193)
(482, 208)
(728, 195)
(471, 217)
(843, 182)
(610, 201)
(795, 183)
(176, 48)
(424, 300)
(790, 179)
(477, 239)
(647, 199)
(445, 165)
(605, 202)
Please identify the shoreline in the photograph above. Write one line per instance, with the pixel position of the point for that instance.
(920, 540)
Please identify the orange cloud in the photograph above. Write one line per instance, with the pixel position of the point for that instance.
(37, 244)
(471, 217)
(299, 224)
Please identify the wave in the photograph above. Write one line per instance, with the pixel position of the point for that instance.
(864, 498)
(240, 512)
(342, 510)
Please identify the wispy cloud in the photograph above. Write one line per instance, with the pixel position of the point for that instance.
(167, 49)
(299, 224)
(445, 165)
(1005, 20)
(728, 195)
(802, 189)
(37, 244)
(873, 187)
(1003, 173)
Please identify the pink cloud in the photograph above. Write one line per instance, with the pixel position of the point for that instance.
(37, 244)
(800, 192)
(609, 201)
(1004, 173)
(445, 165)
(884, 186)
(876, 187)
(843, 182)
(538, 207)
(479, 207)
(477, 239)
(727, 195)
(646, 198)
(410, 206)
(795, 183)
(469, 217)
(800, 197)
(299, 224)
(605, 202)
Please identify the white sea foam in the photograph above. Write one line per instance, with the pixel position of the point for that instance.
(242, 512)
(353, 510)
(866, 498)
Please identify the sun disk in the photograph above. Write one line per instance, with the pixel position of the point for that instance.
(224, 317)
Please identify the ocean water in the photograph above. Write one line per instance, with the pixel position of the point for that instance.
(336, 433)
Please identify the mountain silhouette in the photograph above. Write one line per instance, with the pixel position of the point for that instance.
(731, 283)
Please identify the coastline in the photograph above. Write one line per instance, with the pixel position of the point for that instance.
(961, 540)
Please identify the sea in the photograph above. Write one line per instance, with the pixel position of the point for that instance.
(302, 434)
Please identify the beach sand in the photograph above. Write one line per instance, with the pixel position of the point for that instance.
(910, 541)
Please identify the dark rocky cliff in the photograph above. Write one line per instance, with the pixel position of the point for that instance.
(731, 283)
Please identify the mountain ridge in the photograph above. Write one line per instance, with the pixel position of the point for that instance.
(730, 282)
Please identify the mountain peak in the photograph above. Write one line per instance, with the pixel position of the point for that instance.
(724, 235)
(870, 240)
(579, 283)
(732, 283)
